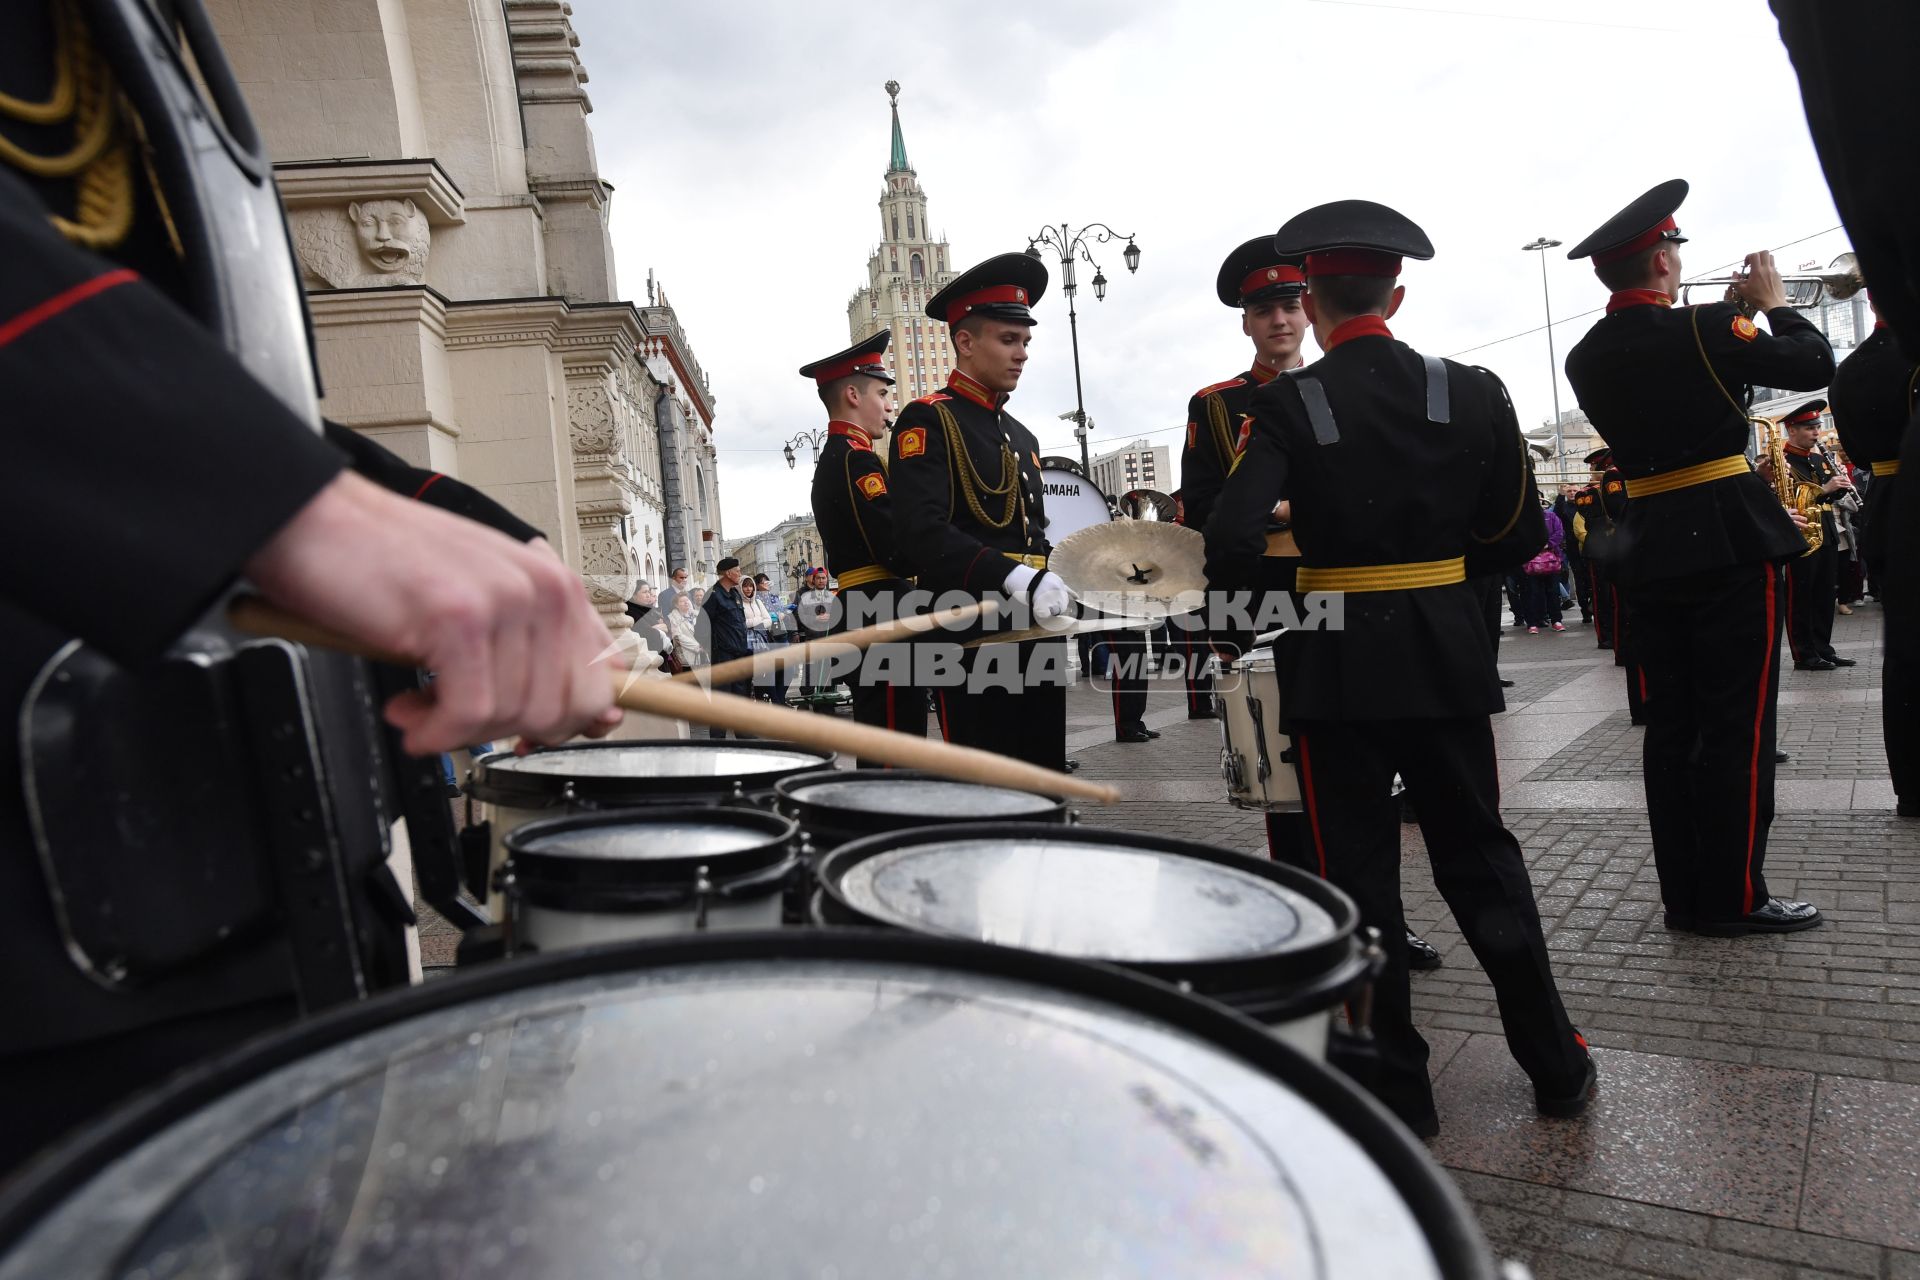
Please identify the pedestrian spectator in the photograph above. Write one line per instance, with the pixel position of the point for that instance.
(723, 618)
(777, 608)
(1565, 508)
(676, 583)
(1540, 579)
(683, 629)
(759, 634)
(813, 619)
(699, 595)
(649, 624)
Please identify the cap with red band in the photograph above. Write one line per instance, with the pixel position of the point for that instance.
(863, 357)
(1640, 226)
(1254, 273)
(1353, 262)
(1003, 287)
(1806, 415)
(1353, 238)
(958, 308)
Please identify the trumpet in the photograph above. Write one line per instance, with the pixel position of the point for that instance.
(1839, 282)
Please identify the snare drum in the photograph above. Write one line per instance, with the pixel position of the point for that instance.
(1276, 944)
(586, 777)
(838, 805)
(1256, 759)
(645, 873)
(862, 1105)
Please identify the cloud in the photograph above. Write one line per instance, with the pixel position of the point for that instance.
(747, 142)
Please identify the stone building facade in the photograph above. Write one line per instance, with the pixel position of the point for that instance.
(794, 543)
(451, 225)
(908, 267)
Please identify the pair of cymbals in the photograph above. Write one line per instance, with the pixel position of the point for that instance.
(1134, 568)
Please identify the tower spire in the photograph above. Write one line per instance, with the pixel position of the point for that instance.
(898, 163)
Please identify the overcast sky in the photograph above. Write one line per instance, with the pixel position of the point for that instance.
(747, 142)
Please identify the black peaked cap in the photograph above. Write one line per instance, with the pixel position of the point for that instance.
(1021, 277)
(1636, 220)
(1353, 224)
(1280, 276)
(862, 357)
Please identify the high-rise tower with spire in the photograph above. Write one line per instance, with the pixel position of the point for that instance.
(907, 268)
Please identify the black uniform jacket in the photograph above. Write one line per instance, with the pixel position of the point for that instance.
(852, 504)
(948, 451)
(1872, 398)
(1648, 385)
(143, 466)
(1395, 488)
(1218, 418)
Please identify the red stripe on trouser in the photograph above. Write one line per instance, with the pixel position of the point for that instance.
(1793, 644)
(946, 734)
(1641, 673)
(41, 312)
(431, 480)
(1759, 720)
(1313, 804)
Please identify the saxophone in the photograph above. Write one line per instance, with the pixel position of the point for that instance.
(1795, 494)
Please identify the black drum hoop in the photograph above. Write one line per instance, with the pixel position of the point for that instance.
(1334, 962)
(519, 789)
(842, 824)
(573, 883)
(1429, 1194)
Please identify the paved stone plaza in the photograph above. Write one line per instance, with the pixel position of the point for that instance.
(1759, 1108)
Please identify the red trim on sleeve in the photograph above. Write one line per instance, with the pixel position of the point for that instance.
(432, 480)
(41, 312)
(967, 577)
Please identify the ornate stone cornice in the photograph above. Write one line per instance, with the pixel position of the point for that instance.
(306, 183)
(391, 304)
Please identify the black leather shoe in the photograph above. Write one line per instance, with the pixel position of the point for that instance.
(1677, 921)
(1073, 766)
(1777, 916)
(1505, 683)
(1781, 757)
(1567, 1106)
(1839, 661)
(1135, 733)
(1422, 956)
(1906, 808)
(1813, 664)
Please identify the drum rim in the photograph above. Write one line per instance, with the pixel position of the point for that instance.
(516, 790)
(1232, 975)
(788, 800)
(1432, 1199)
(568, 882)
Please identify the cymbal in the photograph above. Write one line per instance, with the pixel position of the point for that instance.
(1134, 568)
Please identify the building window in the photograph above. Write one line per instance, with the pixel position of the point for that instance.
(896, 226)
(919, 268)
(910, 226)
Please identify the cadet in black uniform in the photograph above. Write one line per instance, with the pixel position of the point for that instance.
(969, 514)
(1873, 399)
(1866, 158)
(855, 514)
(1594, 529)
(1700, 552)
(158, 458)
(1813, 580)
(1610, 500)
(1408, 684)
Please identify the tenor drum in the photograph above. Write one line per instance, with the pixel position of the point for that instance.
(587, 777)
(1256, 759)
(838, 805)
(644, 873)
(808, 1102)
(1276, 944)
(1072, 502)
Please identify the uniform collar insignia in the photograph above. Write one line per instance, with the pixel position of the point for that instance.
(856, 436)
(960, 384)
(1263, 373)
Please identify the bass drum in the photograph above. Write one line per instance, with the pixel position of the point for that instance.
(1072, 503)
(591, 776)
(1275, 943)
(818, 1102)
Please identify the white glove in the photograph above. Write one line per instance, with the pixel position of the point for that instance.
(1047, 595)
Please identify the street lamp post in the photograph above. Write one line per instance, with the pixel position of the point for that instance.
(812, 439)
(1541, 246)
(1069, 245)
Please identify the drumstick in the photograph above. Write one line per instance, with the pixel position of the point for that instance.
(656, 696)
(1052, 633)
(847, 642)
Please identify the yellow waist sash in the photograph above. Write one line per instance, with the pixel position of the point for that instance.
(1687, 477)
(1384, 577)
(1032, 562)
(863, 575)
(1891, 467)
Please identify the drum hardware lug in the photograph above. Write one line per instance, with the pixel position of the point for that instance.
(1360, 1012)
(702, 890)
(1232, 770)
(1263, 768)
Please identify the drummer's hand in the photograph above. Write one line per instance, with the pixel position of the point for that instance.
(1047, 596)
(506, 628)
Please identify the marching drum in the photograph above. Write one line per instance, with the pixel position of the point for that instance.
(1073, 502)
(809, 1102)
(586, 777)
(1256, 759)
(643, 873)
(1274, 943)
(838, 805)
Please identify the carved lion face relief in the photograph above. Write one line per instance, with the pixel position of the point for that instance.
(392, 234)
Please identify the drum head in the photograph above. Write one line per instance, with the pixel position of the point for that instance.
(1095, 895)
(669, 769)
(649, 846)
(801, 1103)
(889, 799)
(1072, 502)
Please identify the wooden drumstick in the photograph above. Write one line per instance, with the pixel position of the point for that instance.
(847, 642)
(1054, 633)
(651, 694)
